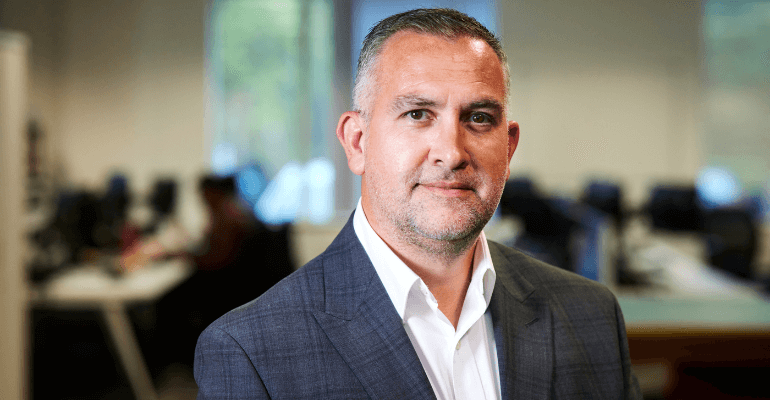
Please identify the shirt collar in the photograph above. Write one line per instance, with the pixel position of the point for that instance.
(399, 279)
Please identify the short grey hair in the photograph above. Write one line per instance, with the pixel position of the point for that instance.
(442, 22)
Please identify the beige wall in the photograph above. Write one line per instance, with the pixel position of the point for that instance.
(114, 85)
(39, 21)
(118, 86)
(133, 88)
(13, 107)
(605, 88)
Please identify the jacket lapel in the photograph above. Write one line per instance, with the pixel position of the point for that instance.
(363, 325)
(522, 325)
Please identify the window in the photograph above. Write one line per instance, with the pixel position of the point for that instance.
(270, 65)
(737, 89)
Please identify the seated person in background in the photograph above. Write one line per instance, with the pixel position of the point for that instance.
(238, 244)
(164, 235)
(229, 227)
(238, 259)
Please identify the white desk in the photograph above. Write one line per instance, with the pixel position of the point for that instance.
(91, 287)
(692, 315)
(689, 294)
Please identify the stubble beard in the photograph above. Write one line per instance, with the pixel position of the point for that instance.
(448, 239)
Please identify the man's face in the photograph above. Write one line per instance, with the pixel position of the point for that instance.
(437, 145)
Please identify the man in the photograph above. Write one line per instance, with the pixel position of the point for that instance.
(410, 301)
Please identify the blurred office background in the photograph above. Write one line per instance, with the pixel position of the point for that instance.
(644, 148)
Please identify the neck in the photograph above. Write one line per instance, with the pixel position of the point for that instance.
(446, 266)
(447, 278)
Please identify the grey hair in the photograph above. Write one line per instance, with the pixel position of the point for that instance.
(442, 22)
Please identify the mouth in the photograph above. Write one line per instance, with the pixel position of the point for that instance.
(451, 189)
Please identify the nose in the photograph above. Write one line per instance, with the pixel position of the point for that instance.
(448, 147)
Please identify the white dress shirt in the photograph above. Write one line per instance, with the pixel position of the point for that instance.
(462, 363)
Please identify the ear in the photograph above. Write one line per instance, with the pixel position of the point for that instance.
(350, 135)
(513, 140)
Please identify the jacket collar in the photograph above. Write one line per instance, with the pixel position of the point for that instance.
(363, 325)
(522, 326)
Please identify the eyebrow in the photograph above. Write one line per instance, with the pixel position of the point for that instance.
(491, 104)
(408, 101)
(411, 100)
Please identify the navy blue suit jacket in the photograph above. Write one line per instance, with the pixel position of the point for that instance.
(330, 331)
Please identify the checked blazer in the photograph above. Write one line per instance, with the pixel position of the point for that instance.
(330, 331)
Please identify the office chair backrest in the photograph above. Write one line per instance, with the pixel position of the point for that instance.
(675, 208)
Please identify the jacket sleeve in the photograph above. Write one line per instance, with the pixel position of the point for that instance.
(630, 383)
(223, 370)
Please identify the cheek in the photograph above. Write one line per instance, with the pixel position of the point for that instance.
(493, 162)
(490, 152)
(396, 157)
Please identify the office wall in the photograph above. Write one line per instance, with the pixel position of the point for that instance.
(132, 88)
(13, 103)
(605, 88)
(118, 86)
(39, 22)
(113, 85)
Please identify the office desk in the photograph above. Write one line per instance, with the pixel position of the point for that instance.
(666, 336)
(90, 287)
(694, 316)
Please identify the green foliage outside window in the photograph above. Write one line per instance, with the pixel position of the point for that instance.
(272, 63)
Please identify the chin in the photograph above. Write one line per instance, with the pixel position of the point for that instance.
(452, 229)
(445, 243)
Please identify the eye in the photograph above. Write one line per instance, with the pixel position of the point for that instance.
(481, 118)
(417, 115)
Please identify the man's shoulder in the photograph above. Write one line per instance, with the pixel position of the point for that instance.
(298, 294)
(543, 277)
(296, 297)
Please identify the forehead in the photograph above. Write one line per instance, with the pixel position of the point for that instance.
(411, 61)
